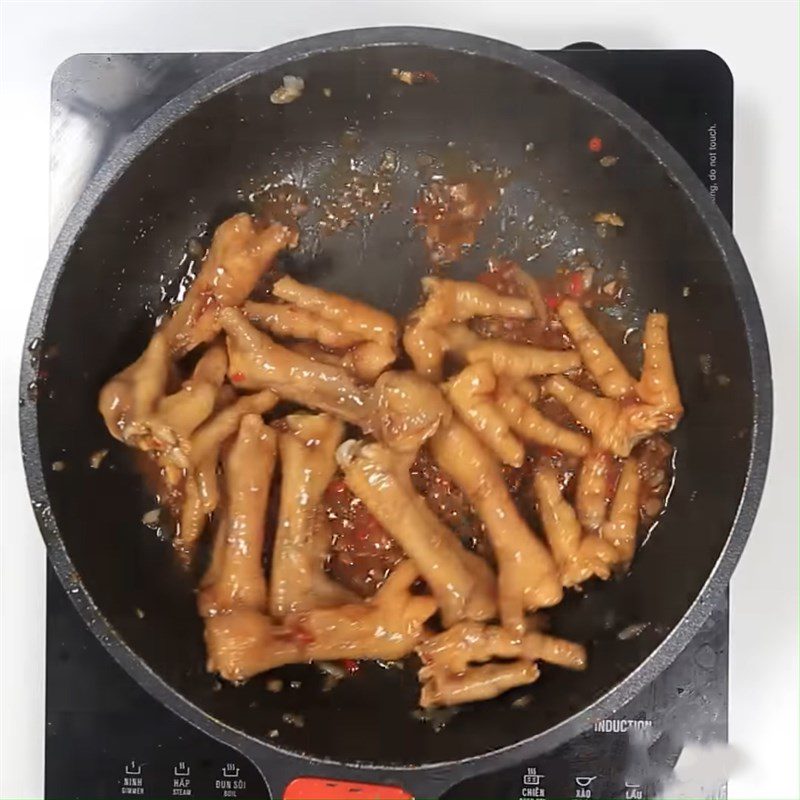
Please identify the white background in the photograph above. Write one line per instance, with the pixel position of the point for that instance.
(759, 41)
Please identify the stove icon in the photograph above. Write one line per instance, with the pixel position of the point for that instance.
(633, 791)
(230, 771)
(533, 778)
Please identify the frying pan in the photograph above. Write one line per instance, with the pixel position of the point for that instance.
(122, 252)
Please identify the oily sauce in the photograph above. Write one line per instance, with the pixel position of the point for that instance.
(448, 502)
(452, 211)
(362, 552)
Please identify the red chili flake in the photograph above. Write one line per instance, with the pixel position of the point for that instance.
(238, 377)
(351, 666)
(576, 284)
(595, 144)
(551, 301)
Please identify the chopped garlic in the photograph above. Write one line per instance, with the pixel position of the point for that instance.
(609, 217)
(292, 89)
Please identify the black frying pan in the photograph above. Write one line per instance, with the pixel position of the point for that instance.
(193, 163)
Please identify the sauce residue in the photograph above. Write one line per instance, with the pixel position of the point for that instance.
(414, 77)
(281, 202)
(354, 193)
(544, 330)
(362, 552)
(451, 211)
(655, 469)
(447, 501)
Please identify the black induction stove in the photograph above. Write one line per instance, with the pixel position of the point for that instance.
(106, 737)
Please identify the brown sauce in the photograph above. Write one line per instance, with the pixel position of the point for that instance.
(448, 502)
(281, 202)
(452, 211)
(501, 276)
(655, 469)
(362, 552)
(534, 332)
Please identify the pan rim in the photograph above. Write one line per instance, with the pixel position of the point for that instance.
(675, 167)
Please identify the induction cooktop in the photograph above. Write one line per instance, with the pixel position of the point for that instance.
(106, 737)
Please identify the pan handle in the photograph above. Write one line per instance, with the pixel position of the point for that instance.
(292, 778)
(376, 785)
(327, 789)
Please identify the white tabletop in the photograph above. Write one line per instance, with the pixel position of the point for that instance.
(759, 41)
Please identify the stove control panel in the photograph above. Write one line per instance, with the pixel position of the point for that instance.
(188, 765)
(165, 778)
(610, 769)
